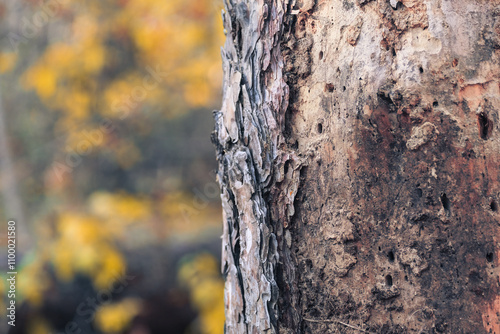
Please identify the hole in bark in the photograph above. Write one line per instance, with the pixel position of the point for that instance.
(320, 55)
(419, 192)
(388, 280)
(390, 256)
(329, 87)
(420, 69)
(343, 88)
(494, 206)
(489, 257)
(320, 128)
(485, 125)
(302, 24)
(287, 165)
(435, 104)
(295, 145)
(445, 201)
(393, 52)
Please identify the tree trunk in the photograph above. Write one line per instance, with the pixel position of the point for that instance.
(359, 151)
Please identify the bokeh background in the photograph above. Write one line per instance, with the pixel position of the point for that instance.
(106, 165)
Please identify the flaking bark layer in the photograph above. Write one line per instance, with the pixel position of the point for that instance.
(252, 160)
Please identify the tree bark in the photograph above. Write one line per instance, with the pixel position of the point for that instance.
(359, 150)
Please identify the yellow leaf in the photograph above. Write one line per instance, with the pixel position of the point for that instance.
(63, 261)
(43, 79)
(125, 207)
(87, 259)
(114, 318)
(33, 282)
(112, 262)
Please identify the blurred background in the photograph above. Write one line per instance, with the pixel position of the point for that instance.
(106, 165)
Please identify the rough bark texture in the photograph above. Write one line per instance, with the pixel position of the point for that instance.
(366, 198)
(248, 133)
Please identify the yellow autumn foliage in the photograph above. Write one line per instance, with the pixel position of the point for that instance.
(114, 318)
(43, 79)
(94, 67)
(86, 246)
(201, 276)
(183, 38)
(100, 66)
(33, 281)
(119, 207)
(112, 264)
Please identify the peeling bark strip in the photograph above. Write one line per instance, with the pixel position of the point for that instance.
(247, 136)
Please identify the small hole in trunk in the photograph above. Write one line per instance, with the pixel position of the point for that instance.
(446, 202)
(485, 125)
(320, 128)
(388, 280)
(494, 206)
(489, 257)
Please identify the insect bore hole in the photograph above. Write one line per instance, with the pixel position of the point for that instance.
(388, 280)
(485, 125)
(489, 257)
(446, 202)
